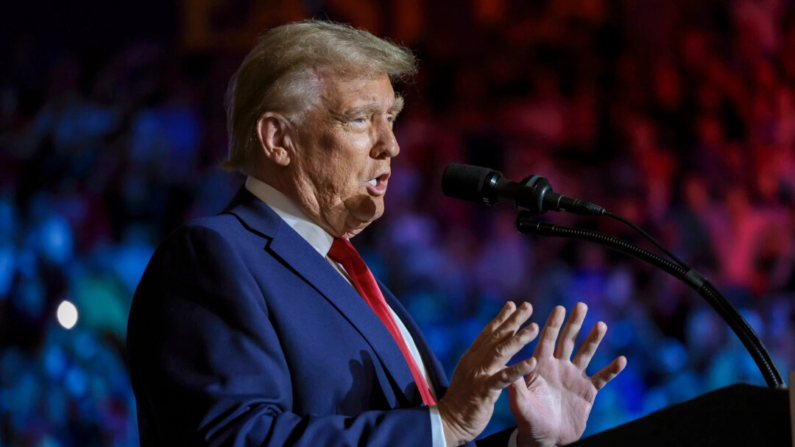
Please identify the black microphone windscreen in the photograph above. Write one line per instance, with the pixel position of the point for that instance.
(465, 182)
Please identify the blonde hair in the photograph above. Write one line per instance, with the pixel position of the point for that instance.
(280, 75)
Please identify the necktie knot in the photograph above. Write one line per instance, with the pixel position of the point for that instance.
(342, 250)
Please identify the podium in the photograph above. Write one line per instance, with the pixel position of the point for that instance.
(738, 415)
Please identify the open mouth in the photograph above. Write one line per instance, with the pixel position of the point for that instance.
(377, 185)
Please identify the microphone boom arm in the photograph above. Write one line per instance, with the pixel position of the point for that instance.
(526, 224)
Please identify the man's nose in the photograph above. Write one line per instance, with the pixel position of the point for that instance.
(386, 145)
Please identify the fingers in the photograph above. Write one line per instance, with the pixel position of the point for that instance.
(506, 312)
(608, 373)
(586, 352)
(588, 348)
(505, 341)
(568, 336)
(546, 342)
(500, 338)
(512, 374)
(512, 323)
(508, 348)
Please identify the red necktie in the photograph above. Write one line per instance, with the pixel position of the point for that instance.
(343, 252)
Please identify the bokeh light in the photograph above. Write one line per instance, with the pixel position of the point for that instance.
(67, 315)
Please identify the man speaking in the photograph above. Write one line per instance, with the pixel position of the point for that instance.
(262, 326)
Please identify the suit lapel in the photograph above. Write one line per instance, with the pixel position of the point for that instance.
(307, 263)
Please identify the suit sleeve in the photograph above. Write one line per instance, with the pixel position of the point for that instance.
(207, 366)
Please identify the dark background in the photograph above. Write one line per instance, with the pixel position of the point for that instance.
(679, 115)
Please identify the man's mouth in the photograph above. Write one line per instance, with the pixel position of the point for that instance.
(377, 185)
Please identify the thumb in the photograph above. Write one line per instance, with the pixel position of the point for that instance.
(517, 393)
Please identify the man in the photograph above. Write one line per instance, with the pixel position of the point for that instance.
(262, 326)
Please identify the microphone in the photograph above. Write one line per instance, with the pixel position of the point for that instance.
(533, 194)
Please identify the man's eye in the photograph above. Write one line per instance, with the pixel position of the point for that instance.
(360, 120)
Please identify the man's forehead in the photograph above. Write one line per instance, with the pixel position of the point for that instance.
(355, 91)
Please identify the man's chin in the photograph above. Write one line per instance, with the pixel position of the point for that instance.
(357, 223)
(364, 209)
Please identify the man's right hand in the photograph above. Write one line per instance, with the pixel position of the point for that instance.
(480, 376)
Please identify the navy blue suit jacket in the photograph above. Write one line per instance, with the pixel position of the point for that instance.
(240, 333)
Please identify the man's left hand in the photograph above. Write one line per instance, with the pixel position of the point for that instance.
(551, 405)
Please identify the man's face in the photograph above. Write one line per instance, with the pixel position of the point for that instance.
(343, 152)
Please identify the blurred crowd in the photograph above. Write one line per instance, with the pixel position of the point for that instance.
(677, 115)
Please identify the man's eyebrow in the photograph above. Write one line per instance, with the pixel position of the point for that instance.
(368, 109)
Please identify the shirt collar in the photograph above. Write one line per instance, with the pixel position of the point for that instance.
(292, 214)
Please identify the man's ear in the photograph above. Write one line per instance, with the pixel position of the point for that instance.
(273, 133)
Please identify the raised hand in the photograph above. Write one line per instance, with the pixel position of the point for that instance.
(551, 406)
(481, 374)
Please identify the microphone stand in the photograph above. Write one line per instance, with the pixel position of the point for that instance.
(526, 224)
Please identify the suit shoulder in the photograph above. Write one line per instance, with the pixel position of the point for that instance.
(220, 223)
(223, 228)
(217, 238)
(212, 250)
